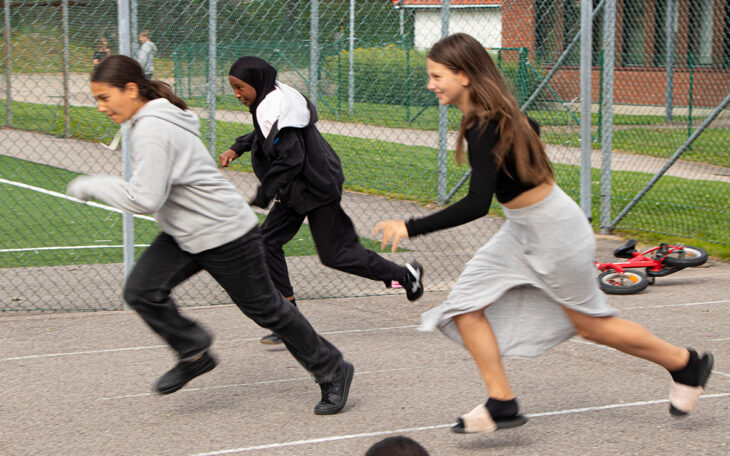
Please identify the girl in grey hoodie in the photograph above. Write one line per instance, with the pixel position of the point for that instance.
(205, 225)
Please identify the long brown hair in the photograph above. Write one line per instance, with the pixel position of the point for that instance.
(492, 100)
(118, 70)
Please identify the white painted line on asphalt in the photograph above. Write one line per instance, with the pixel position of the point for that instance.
(722, 374)
(438, 426)
(263, 382)
(720, 340)
(588, 342)
(616, 406)
(87, 352)
(320, 440)
(677, 305)
(70, 198)
(222, 342)
(69, 247)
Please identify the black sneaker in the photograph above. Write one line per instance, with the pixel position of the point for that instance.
(271, 339)
(334, 393)
(413, 281)
(183, 372)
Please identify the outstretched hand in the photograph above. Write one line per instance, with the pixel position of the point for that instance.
(393, 231)
(79, 189)
(227, 157)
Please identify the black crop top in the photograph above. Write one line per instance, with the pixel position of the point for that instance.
(485, 181)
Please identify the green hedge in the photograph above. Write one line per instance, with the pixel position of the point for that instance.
(391, 74)
(383, 75)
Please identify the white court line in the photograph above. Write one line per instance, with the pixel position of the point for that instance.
(438, 426)
(588, 342)
(687, 304)
(150, 347)
(87, 352)
(262, 382)
(69, 247)
(71, 198)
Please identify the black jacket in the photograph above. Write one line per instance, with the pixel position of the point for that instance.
(294, 164)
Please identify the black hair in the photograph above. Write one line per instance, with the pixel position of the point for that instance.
(397, 446)
(118, 70)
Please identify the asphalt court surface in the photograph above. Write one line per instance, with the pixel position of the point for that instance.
(80, 384)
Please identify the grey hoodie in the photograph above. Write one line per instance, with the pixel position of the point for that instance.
(175, 179)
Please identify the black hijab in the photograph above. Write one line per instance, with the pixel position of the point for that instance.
(256, 73)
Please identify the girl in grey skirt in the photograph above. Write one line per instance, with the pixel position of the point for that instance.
(532, 285)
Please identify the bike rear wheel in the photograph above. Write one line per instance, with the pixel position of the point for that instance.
(686, 257)
(628, 282)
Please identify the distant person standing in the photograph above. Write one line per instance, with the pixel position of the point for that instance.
(102, 51)
(146, 53)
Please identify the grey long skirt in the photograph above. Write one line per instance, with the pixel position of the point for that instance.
(539, 260)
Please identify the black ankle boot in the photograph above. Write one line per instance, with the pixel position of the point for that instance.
(183, 372)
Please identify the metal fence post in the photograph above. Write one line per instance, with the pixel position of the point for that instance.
(671, 42)
(443, 117)
(609, 36)
(123, 14)
(586, 64)
(351, 69)
(66, 120)
(212, 62)
(314, 51)
(8, 69)
(133, 9)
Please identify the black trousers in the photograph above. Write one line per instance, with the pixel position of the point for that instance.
(240, 268)
(335, 239)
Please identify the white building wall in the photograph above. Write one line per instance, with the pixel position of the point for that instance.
(484, 24)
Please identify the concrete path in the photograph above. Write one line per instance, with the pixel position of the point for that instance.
(48, 89)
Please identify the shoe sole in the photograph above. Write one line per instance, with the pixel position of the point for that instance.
(515, 421)
(704, 376)
(419, 293)
(349, 374)
(270, 342)
(208, 367)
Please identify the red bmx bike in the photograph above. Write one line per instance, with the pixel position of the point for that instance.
(626, 277)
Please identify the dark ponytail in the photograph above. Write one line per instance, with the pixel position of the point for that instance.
(118, 70)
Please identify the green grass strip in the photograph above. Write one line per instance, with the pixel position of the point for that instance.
(33, 220)
(690, 208)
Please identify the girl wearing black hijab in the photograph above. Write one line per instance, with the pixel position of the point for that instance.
(301, 172)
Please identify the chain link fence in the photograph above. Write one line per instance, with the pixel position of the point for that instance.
(363, 64)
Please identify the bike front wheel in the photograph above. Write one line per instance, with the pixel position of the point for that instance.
(628, 282)
(686, 257)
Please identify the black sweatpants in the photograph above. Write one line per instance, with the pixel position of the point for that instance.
(335, 239)
(240, 268)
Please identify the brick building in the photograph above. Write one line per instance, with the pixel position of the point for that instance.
(546, 27)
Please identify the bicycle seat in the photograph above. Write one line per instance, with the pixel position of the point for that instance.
(626, 250)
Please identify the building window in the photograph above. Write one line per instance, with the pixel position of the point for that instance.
(700, 31)
(632, 46)
(557, 23)
(660, 33)
(545, 37)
